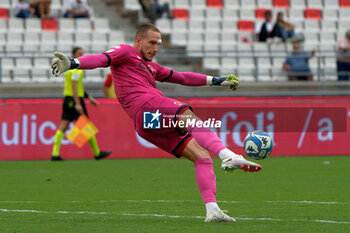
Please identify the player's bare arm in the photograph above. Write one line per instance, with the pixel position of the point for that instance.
(93, 101)
(78, 106)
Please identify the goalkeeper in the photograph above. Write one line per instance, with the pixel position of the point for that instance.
(73, 106)
(134, 77)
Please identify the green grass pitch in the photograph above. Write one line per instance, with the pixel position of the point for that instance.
(291, 194)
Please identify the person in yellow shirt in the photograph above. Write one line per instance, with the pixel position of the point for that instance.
(73, 107)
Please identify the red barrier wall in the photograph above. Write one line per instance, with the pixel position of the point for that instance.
(298, 125)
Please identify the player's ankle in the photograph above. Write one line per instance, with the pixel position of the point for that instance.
(226, 153)
(212, 207)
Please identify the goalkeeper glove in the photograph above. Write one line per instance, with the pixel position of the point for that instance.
(62, 63)
(225, 81)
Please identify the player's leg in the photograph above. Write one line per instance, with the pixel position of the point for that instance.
(58, 139)
(98, 154)
(68, 115)
(211, 142)
(205, 179)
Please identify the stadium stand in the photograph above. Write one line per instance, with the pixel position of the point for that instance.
(219, 32)
(318, 20)
(25, 44)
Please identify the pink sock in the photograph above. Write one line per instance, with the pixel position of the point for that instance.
(207, 139)
(206, 179)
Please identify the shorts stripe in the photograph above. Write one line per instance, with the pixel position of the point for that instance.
(181, 146)
(178, 113)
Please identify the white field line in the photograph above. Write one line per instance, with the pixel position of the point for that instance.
(192, 201)
(170, 216)
(308, 202)
(329, 221)
(233, 202)
(24, 211)
(248, 219)
(81, 212)
(19, 201)
(57, 212)
(151, 201)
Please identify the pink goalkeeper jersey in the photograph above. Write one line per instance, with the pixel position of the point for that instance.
(134, 78)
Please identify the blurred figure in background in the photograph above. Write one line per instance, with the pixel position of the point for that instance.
(41, 7)
(76, 9)
(73, 107)
(264, 30)
(108, 87)
(297, 64)
(343, 58)
(154, 10)
(23, 9)
(283, 29)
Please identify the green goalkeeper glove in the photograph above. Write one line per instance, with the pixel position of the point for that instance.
(226, 81)
(62, 63)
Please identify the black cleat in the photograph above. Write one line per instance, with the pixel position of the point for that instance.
(56, 158)
(103, 154)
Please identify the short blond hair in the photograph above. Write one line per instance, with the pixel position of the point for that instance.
(144, 28)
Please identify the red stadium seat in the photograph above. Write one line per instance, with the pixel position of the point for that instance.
(246, 25)
(344, 3)
(180, 14)
(4, 13)
(281, 3)
(259, 13)
(49, 25)
(313, 14)
(215, 3)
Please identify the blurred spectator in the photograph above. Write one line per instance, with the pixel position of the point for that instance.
(343, 57)
(76, 9)
(154, 10)
(108, 87)
(41, 7)
(264, 30)
(283, 29)
(23, 9)
(297, 64)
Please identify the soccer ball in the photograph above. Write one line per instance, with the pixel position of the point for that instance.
(258, 145)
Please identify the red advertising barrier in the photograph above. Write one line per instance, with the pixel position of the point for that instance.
(298, 125)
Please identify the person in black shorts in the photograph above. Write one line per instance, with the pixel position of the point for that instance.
(73, 107)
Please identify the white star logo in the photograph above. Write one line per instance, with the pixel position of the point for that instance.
(155, 115)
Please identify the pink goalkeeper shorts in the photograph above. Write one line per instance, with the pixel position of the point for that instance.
(154, 122)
